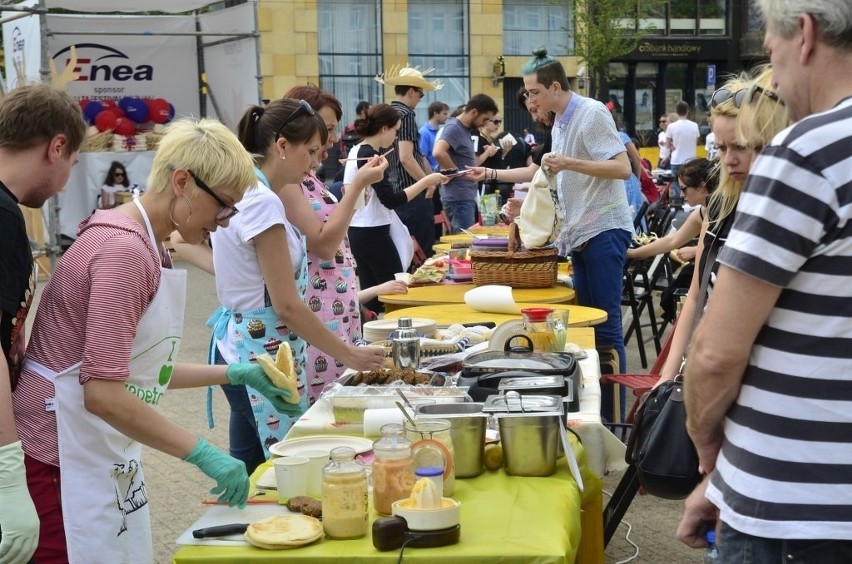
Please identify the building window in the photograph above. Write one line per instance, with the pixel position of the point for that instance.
(529, 24)
(350, 60)
(683, 18)
(438, 39)
(713, 17)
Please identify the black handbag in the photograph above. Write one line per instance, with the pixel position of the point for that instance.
(659, 447)
(664, 456)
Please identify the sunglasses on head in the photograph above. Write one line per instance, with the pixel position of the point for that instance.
(303, 109)
(743, 95)
(226, 211)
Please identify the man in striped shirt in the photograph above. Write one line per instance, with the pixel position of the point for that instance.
(407, 164)
(769, 380)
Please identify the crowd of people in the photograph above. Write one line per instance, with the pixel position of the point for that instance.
(767, 381)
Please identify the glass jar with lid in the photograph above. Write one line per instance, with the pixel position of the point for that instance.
(344, 496)
(537, 328)
(393, 468)
(432, 445)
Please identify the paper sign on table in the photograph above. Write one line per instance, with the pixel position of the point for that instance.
(492, 299)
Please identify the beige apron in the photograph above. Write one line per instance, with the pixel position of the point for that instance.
(104, 498)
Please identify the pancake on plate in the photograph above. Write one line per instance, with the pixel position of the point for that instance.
(280, 532)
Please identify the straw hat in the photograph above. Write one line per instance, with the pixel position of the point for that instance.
(408, 76)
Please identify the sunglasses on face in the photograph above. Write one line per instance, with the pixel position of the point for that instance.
(420, 92)
(117, 173)
(496, 121)
(304, 109)
(226, 212)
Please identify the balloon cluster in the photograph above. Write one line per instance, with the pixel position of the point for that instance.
(124, 116)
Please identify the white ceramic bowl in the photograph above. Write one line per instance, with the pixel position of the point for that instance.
(447, 516)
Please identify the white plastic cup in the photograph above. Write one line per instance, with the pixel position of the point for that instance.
(317, 459)
(291, 476)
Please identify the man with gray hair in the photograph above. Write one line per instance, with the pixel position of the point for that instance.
(769, 379)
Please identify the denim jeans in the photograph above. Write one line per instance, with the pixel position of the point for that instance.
(243, 440)
(739, 548)
(461, 214)
(598, 272)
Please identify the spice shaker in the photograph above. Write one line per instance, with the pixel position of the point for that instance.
(405, 345)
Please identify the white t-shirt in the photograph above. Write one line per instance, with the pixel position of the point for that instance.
(239, 281)
(374, 213)
(710, 146)
(664, 146)
(684, 135)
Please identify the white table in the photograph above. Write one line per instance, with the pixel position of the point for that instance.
(80, 195)
(604, 451)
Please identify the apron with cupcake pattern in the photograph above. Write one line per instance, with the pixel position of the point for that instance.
(261, 332)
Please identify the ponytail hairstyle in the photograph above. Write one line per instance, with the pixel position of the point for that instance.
(260, 127)
(378, 116)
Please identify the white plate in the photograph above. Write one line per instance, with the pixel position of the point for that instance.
(503, 332)
(295, 447)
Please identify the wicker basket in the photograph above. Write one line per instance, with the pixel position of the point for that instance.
(534, 268)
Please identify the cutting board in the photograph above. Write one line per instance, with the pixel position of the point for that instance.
(224, 515)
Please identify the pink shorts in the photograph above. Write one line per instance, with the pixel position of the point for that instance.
(43, 483)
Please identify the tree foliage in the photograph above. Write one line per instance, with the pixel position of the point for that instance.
(607, 29)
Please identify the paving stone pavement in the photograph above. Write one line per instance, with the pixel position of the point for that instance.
(176, 487)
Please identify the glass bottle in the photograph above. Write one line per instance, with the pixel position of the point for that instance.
(393, 468)
(536, 327)
(432, 445)
(344, 496)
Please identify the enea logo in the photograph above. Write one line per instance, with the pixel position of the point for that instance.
(104, 64)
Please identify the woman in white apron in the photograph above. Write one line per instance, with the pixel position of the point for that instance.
(104, 351)
(375, 228)
(260, 265)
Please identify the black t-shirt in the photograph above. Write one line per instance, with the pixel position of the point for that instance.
(543, 149)
(16, 280)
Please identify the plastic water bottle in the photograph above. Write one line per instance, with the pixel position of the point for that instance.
(712, 556)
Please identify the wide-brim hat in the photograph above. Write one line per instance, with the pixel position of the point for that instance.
(408, 76)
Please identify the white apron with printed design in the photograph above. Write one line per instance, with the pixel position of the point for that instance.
(104, 497)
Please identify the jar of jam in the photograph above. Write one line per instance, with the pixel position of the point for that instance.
(393, 468)
(344, 496)
(432, 445)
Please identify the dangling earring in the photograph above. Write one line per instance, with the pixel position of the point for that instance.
(172, 207)
(284, 157)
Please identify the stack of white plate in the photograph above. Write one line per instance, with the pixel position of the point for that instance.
(381, 329)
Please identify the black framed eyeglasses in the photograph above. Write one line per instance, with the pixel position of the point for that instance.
(303, 109)
(226, 212)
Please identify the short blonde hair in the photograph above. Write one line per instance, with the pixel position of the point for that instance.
(207, 148)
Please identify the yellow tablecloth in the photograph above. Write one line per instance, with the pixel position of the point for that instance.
(503, 518)
(454, 294)
(447, 314)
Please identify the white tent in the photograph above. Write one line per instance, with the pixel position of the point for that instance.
(204, 63)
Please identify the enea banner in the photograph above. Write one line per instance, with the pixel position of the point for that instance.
(154, 65)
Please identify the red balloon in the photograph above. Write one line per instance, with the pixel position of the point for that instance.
(105, 120)
(124, 126)
(83, 103)
(115, 110)
(158, 110)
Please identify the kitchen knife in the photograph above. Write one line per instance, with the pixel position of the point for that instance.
(220, 530)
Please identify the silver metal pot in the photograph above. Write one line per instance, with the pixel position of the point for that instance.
(467, 427)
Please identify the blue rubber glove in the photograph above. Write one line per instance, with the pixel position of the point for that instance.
(253, 375)
(19, 524)
(232, 482)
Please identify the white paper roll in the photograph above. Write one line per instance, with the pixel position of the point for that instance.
(375, 418)
(492, 299)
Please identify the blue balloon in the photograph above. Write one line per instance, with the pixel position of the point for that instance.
(124, 102)
(136, 110)
(91, 110)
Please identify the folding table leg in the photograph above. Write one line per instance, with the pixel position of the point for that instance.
(620, 501)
